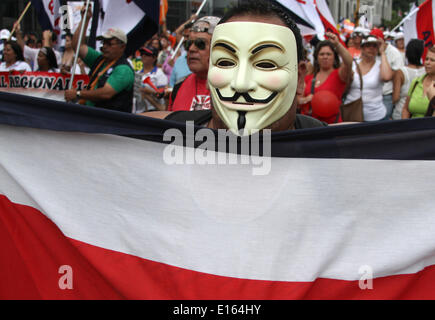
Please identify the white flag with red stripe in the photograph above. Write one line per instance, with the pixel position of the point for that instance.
(316, 12)
(420, 24)
(333, 219)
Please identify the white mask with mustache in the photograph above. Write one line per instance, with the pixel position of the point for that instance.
(253, 74)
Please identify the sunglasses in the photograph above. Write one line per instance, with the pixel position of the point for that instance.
(199, 43)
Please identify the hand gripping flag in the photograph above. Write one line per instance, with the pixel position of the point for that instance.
(90, 209)
(139, 19)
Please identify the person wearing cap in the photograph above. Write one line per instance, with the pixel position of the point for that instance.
(151, 72)
(395, 61)
(399, 42)
(4, 36)
(193, 93)
(111, 75)
(355, 49)
(374, 73)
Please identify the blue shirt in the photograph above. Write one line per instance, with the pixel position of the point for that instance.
(180, 70)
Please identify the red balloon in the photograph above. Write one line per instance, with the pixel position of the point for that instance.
(325, 104)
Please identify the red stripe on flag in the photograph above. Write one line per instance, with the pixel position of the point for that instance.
(425, 22)
(329, 27)
(33, 249)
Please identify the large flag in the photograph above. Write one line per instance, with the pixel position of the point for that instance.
(48, 12)
(419, 24)
(90, 208)
(139, 19)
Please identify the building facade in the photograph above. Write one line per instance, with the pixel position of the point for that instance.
(10, 10)
(375, 10)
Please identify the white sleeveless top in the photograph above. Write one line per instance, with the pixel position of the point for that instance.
(409, 74)
(373, 106)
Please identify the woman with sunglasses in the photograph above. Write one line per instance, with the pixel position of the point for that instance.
(374, 73)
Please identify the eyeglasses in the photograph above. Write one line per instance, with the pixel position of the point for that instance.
(370, 45)
(110, 43)
(199, 43)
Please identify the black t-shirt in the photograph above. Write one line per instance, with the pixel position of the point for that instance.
(202, 117)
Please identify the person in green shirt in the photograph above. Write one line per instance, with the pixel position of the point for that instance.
(417, 103)
(111, 76)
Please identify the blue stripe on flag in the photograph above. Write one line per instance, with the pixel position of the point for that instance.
(390, 140)
(43, 18)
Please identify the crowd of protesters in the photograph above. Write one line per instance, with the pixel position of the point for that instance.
(392, 79)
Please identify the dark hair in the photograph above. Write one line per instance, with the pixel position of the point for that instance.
(68, 34)
(414, 51)
(320, 45)
(264, 8)
(51, 57)
(188, 25)
(17, 49)
(54, 36)
(30, 42)
(160, 48)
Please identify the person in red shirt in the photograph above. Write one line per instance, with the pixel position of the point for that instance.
(193, 94)
(329, 75)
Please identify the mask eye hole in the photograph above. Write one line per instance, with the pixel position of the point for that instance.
(225, 63)
(265, 65)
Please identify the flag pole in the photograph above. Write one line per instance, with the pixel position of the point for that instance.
(406, 18)
(356, 13)
(19, 20)
(182, 38)
(73, 70)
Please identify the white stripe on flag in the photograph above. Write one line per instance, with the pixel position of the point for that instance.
(309, 218)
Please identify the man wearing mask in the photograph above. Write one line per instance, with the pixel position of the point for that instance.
(256, 71)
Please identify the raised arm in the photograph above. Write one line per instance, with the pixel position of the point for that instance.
(75, 40)
(386, 71)
(180, 29)
(19, 35)
(345, 70)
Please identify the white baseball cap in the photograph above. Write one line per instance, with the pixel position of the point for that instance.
(206, 24)
(399, 35)
(114, 33)
(369, 39)
(5, 34)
